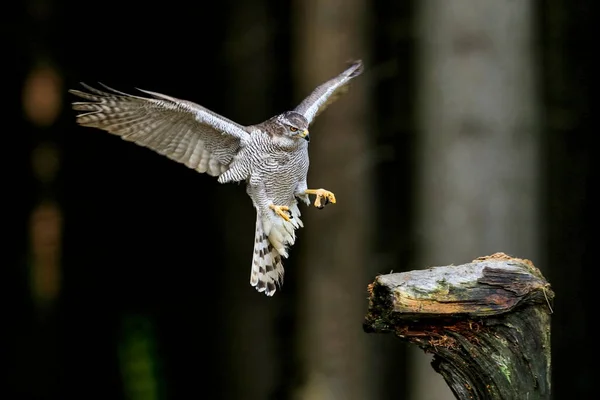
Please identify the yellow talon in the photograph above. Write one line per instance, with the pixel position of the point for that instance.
(321, 194)
(282, 211)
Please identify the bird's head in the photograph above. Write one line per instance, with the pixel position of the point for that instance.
(293, 125)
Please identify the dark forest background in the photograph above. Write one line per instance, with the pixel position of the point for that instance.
(126, 275)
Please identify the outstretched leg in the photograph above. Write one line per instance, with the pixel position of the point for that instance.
(323, 197)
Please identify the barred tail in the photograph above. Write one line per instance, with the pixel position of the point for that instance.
(272, 238)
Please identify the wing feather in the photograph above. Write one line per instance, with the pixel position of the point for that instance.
(328, 92)
(181, 130)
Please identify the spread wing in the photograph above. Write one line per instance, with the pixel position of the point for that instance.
(328, 92)
(179, 129)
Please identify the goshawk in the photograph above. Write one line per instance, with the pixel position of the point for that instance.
(271, 157)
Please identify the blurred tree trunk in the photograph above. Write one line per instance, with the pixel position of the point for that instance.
(391, 76)
(335, 243)
(250, 317)
(477, 179)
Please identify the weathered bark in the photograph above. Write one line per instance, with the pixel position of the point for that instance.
(487, 324)
(478, 175)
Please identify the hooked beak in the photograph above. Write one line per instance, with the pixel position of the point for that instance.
(304, 134)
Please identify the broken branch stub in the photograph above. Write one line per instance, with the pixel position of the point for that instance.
(487, 324)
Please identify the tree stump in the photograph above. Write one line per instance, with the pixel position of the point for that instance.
(487, 323)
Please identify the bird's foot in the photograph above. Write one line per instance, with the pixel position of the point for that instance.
(323, 198)
(282, 211)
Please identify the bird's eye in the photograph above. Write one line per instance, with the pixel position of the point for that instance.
(293, 129)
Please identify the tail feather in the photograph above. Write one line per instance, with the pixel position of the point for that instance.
(272, 238)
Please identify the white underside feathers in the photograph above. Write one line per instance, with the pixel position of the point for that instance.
(272, 238)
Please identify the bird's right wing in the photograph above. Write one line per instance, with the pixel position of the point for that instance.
(328, 92)
(181, 130)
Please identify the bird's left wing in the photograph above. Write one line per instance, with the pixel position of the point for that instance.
(181, 130)
(328, 92)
